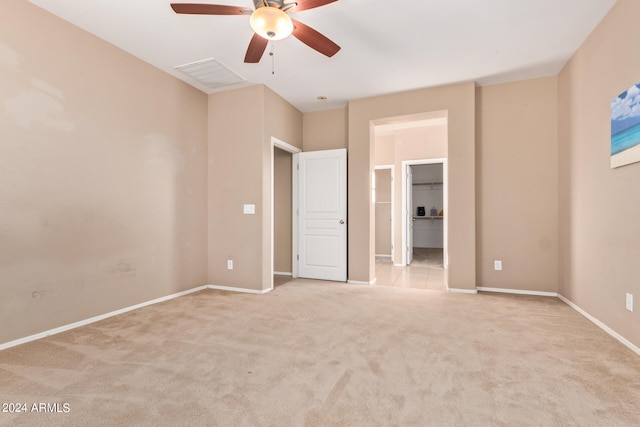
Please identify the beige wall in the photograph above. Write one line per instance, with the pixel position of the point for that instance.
(517, 185)
(241, 124)
(384, 150)
(325, 130)
(235, 179)
(102, 178)
(459, 101)
(282, 211)
(599, 206)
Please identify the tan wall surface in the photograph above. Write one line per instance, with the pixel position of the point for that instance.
(459, 101)
(240, 173)
(429, 142)
(102, 178)
(599, 206)
(236, 151)
(325, 130)
(384, 149)
(282, 120)
(517, 185)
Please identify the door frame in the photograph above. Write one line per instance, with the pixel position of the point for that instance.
(445, 204)
(393, 203)
(277, 143)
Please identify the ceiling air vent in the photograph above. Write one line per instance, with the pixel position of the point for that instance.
(211, 73)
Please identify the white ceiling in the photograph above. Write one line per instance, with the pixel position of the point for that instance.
(387, 46)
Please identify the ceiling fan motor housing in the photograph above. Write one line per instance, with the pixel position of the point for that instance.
(278, 4)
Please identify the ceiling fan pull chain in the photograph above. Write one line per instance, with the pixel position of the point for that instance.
(273, 58)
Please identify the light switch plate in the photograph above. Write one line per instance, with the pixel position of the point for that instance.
(249, 209)
(497, 265)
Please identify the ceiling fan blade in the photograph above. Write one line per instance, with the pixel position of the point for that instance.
(314, 39)
(209, 9)
(256, 48)
(309, 4)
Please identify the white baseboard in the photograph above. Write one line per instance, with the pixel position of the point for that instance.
(283, 273)
(383, 256)
(121, 311)
(244, 290)
(602, 326)
(517, 291)
(95, 319)
(462, 291)
(358, 282)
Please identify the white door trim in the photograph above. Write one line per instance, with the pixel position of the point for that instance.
(445, 203)
(276, 143)
(393, 203)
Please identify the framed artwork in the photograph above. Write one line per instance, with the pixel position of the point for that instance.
(625, 127)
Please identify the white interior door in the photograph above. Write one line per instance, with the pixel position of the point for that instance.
(322, 214)
(409, 215)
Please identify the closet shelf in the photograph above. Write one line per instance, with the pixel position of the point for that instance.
(428, 183)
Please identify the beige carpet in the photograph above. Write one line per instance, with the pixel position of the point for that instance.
(316, 353)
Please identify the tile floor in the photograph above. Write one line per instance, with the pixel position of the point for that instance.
(425, 272)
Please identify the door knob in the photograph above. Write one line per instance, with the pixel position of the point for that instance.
(342, 221)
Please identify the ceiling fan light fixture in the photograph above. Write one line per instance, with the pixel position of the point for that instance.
(271, 23)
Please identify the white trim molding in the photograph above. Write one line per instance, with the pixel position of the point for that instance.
(283, 273)
(602, 326)
(359, 282)
(462, 291)
(517, 291)
(242, 290)
(96, 319)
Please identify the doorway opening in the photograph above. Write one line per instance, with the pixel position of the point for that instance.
(281, 211)
(425, 204)
(404, 142)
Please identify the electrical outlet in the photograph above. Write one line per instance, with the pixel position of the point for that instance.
(229, 264)
(497, 264)
(629, 304)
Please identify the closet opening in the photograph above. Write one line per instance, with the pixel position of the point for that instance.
(424, 192)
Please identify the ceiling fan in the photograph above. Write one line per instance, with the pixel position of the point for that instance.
(270, 21)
